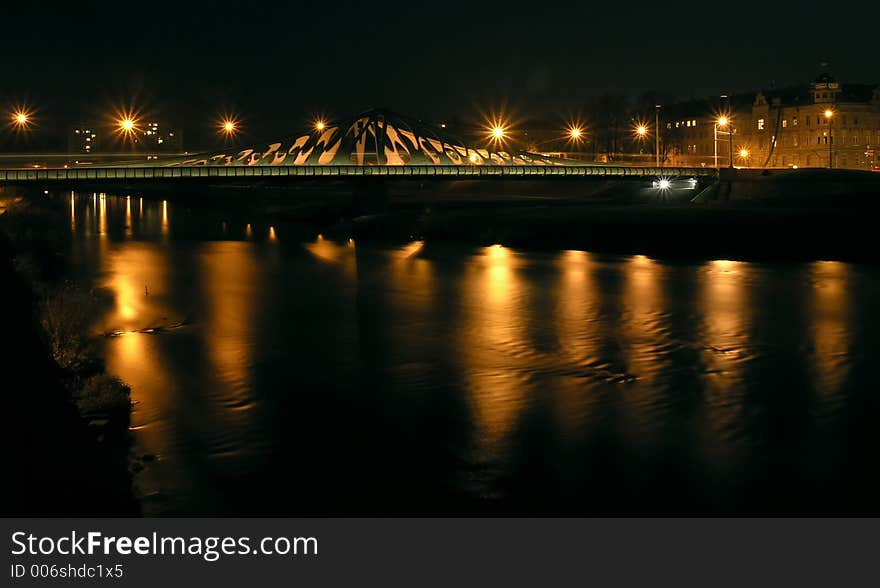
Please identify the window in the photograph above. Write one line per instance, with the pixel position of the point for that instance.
(784, 123)
(794, 121)
(760, 124)
(808, 121)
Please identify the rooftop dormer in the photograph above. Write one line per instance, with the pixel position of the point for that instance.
(825, 88)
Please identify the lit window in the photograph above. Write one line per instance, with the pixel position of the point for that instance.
(794, 121)
(784, 123)
(760, 124)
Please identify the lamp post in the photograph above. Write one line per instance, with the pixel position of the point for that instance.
(657, 133)
(724, 122)
(829, 116)
(729, 133)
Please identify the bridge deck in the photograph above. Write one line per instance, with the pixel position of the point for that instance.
(340, 171)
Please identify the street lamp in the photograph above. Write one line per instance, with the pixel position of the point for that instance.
(320, 125)
(722, 122)
(21, 118)
(829, 116)
(744, 155)
(575, 133)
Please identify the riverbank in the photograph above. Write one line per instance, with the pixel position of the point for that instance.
(748, 215)
(68, 424)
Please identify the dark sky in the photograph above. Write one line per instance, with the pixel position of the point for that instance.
(276, 64)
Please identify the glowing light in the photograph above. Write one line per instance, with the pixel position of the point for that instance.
(229, 126)
(497, 132)
(641, 131)
(829, 113)
(22, 118)
(320, 125)
(664, 184)
(127, 124)
(722, 121)
(744, 153)
(575, 133)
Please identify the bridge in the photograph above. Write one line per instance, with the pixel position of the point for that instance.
(374, 144)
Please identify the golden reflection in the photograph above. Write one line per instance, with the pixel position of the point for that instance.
(141, 211)
(495, 351)
(164, 218)
(830, 329)
(645, 344)
(102, 216)
(231, 280)
(410, 250)
(644, 317)
(327, 250)
(128, 226)
(136, 277)
(72, 212)
(577, 333)
(248, 231)
(724, 306)
(136, 274)
(273, 237)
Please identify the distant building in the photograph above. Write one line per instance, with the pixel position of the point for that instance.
(793, 127)
(155, 137)
(84, 138)
(148, 137)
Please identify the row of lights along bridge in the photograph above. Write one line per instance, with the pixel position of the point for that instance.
(498, 130)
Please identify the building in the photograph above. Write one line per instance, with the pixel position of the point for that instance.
(84, 138)
(808, 126)
(154, 137)
(147, 137)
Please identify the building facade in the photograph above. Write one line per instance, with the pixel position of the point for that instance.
(822, 124)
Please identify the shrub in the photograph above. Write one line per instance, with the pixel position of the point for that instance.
(103, 395)
(66, 315)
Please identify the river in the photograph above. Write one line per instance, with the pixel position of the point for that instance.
(278, 375)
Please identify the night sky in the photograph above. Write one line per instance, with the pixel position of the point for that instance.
(276, 65)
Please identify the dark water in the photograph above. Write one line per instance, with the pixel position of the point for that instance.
(289, 377)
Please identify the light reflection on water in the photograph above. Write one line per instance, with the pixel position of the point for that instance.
(283, 377)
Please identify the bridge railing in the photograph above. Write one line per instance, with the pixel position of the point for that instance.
(464, 171)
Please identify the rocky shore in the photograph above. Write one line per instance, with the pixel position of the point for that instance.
(68, 423)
